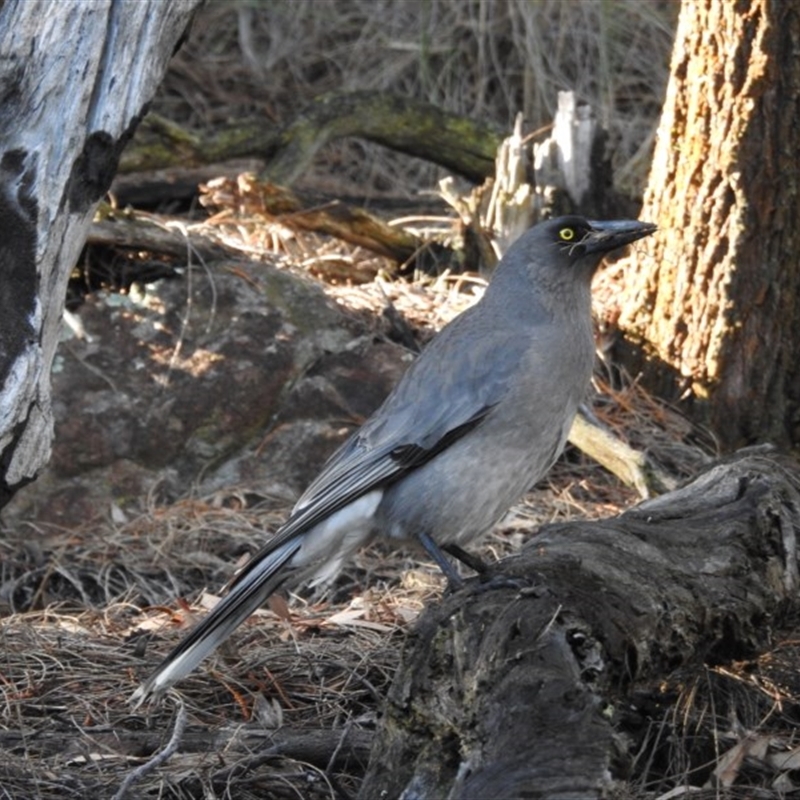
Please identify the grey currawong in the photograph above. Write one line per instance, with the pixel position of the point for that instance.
(477, 419)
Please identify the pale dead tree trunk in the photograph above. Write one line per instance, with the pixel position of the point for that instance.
(713, 306)
(75, 78)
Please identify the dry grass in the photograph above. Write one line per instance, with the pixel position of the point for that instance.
(730, 729)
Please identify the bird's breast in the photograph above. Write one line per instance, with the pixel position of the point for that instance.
(464, 490)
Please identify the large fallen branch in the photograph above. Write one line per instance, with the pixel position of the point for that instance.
(410, 126)
(519, 693)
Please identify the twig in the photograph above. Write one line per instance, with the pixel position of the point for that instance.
(161, 757)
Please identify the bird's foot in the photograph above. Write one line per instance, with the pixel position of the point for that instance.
(489, 581)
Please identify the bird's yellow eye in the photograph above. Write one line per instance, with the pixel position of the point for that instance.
(567, 234)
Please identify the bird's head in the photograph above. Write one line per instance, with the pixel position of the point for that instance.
(575, 242)
(552, 263)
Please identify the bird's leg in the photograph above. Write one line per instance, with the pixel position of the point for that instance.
(475, 563)
(454, 580)
(484, 570)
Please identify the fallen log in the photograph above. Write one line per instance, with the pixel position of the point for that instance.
(515, 693)
(409, 126)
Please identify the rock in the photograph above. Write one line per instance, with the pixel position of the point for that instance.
(238, 375)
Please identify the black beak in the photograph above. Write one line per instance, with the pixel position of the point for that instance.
(606, 236)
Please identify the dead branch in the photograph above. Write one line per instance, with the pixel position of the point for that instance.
(409, 126)
(253, 197)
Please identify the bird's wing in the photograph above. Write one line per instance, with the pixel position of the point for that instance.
(443, 395)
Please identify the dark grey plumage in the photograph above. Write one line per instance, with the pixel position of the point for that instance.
(477, 419)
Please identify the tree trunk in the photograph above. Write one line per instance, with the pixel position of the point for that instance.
(527, 693)
(712, 304)
(76, 78)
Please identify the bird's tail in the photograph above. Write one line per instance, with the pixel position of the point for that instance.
(249, 589)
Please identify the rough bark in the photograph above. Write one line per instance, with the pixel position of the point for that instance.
(75, 80)
(522, 693)
(712, 302)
